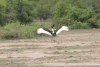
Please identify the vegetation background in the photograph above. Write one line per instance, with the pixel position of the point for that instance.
(17, 17)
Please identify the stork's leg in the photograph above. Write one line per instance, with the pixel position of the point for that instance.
(51, 39)
(54, 40)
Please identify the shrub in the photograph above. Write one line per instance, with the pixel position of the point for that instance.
(79, 25)
(74, 16)
(2, 15)
(24, 11)
(17, 30)
(43, 13)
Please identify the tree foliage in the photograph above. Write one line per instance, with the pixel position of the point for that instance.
(24, 11)
(2, 15)
(72, 14)
(19, 10)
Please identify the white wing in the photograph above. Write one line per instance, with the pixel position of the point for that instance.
(41, 30)
(63, 28)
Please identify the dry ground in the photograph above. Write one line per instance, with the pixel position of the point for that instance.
(75, 48)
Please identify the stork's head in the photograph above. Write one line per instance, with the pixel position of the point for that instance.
(52, 26)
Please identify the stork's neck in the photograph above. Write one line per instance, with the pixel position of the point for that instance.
(52, 30)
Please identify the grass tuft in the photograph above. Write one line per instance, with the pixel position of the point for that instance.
(74, 47)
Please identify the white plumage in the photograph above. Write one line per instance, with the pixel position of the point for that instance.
(41, 30)
(63, 28)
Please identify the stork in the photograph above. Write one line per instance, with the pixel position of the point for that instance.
(52, 32)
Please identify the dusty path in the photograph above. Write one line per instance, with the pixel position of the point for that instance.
(70, 50)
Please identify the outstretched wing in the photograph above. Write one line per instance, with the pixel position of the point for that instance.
(61, 28)
(44, 31)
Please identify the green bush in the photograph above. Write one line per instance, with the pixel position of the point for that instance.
(74, 16)
(19, 10)
(24, 11)
(63, 12)
(43, 13)
(79, 25)
(17, 30)
(2, 15)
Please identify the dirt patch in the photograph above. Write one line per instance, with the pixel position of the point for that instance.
(80, 49)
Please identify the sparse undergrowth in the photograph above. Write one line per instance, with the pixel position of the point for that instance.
(19, 31)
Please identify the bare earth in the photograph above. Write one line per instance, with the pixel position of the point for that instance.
(76, 48)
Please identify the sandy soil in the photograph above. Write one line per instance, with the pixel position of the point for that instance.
(71, 49)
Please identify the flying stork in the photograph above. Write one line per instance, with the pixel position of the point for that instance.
(52, 32)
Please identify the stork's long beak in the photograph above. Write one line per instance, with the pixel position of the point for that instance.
(50, 26)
